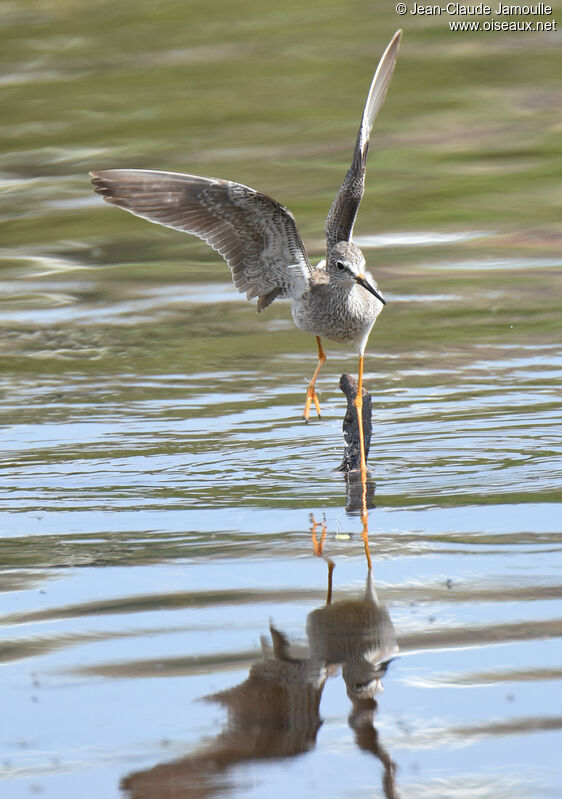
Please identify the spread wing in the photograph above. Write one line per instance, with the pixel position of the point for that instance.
(257, 237)
(341, 218)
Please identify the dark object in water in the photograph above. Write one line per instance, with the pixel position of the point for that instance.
(352, 453)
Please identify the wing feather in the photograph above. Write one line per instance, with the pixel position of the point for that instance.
(342, 214)
(256, 235)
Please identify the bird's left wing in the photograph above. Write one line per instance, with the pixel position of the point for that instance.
(256, 236)
(341, 218)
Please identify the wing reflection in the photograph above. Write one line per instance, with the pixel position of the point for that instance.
(275, 712)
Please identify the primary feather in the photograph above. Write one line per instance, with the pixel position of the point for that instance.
(342, 214)
(257, 236)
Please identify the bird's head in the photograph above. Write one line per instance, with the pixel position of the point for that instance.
(346, 264)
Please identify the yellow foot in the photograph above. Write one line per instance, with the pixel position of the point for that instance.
(311, 398)
(317, 546)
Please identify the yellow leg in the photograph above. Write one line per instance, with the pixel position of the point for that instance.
(311, 391)
(359, 406)
(365, 536)
(363, 462)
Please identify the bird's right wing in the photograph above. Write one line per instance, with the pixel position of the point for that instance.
(341, 218)
(256, 236)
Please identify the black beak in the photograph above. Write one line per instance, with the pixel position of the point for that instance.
(363, 282)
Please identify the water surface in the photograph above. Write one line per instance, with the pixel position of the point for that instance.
(165, 626)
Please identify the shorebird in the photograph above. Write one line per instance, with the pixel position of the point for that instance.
(335, 299)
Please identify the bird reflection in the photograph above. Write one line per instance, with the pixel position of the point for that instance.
(275, 712)
(359, 635)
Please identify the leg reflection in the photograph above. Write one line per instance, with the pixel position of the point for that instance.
(275, 711)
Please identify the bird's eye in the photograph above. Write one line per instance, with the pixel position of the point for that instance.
(340, 266)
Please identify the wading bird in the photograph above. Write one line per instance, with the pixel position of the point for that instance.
(335, 299)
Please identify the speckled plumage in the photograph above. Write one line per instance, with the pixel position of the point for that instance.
(334, 305)
(338, 315)
(259, 240)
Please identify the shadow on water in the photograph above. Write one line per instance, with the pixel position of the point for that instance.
(275, 711)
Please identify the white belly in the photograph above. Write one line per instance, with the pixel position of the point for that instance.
(338, 316)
